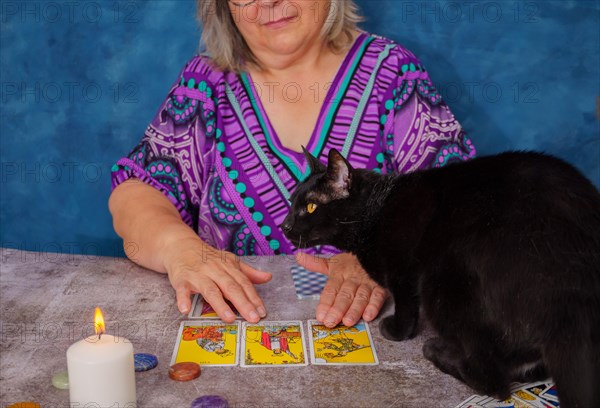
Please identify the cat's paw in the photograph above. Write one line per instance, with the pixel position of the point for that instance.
(397, 330)
(487, 378)
(446, 356)
(500, 390)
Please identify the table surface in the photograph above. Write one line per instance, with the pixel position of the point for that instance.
(47, 302)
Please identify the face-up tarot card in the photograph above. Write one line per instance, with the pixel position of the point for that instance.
(341, 345)
(482, 401)
(471, 402)
(533, 394)
(207, 343)
(273, 344)
(511, 402)
(201, 309)
(549, 394)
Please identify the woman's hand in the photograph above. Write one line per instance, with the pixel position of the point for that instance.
(195, 267)
(349, 293)
(164, 243)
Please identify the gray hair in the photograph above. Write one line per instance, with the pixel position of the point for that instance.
(228, 50)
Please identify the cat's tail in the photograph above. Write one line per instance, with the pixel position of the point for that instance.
(575, 368)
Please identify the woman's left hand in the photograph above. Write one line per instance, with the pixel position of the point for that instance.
(349, 293)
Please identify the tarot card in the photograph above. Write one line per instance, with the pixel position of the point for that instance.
(479, 401)
(523, 396)
(550, 394)
(538, 389)
(341, 344)
(531, 399)
(208, 343)
(472, 402)
(275, 344)
(308, 285)
(201, 309)
(509, 403)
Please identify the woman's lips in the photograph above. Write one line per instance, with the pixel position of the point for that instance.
(280, 23)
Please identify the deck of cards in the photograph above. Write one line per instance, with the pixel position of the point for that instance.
(210, 342)
(535, 395)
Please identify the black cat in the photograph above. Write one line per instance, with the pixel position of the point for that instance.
(502, 253)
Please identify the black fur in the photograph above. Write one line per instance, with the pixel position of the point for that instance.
(502, 253)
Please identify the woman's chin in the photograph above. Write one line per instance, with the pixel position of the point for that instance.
(284, 42)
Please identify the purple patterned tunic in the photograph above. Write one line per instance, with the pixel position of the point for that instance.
(212, 151)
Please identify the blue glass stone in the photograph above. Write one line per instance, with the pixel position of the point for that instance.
(210, 401)
(144, 361)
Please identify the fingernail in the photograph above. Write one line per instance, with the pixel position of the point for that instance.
(261, 311)
(183, 309)
(321, 316)
(254, 316)
(368, 317)
(329, 322)
(229, 315)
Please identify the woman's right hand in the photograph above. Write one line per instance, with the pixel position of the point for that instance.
(195, 267)
(162, 242)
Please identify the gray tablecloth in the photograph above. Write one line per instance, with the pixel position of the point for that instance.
(47, 303)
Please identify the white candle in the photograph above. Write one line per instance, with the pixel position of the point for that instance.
(101, 372)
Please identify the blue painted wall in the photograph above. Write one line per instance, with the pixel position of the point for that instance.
(81, 80)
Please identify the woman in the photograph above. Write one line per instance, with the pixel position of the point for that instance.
(216, 166)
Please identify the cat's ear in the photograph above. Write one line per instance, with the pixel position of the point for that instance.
(315, 165)
(339, 174)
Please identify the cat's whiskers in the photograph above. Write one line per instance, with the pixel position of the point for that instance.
(349, 222)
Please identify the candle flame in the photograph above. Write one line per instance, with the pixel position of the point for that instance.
(99, 322)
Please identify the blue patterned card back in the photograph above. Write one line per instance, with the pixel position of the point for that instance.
(309, 285)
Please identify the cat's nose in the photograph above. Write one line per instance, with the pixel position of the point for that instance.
(286, 225)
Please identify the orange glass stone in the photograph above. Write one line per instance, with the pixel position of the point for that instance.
(25, 404)
(184, 371)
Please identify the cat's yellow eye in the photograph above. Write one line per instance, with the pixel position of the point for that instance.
(311, 207)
